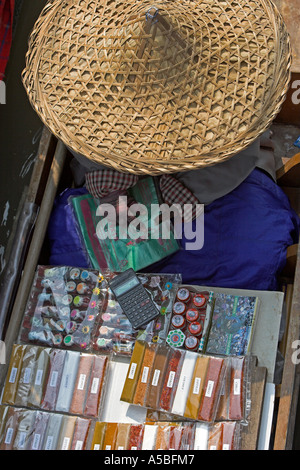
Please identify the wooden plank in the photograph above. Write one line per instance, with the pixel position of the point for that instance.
(289, 173)
(250, 433)
(34, 252)
(289, 389)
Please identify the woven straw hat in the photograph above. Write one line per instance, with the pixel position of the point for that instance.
(153, 88)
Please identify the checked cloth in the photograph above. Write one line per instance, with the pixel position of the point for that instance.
(100, 183)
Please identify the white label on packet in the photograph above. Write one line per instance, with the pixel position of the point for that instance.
(81, 381)
(65, 444)
(22, 440)
(237, 386)
(38, 377)
(27, 375)
(171, 379)
(196, 386)
(78, 445)
(49, 443)
(9, 435)
(155, 377)
(145, 375)
(36, 442)
(132, 370)
(225, 447)
(95, 385)
(13, 375)
(108, 447)
(53, 378)
(209, 388)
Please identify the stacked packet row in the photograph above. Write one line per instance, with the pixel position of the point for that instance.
(176, 381)
(73, 308)
(24, 429)
(55, 380)
(183, 436)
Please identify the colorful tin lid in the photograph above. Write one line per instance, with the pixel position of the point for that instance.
(176, 338)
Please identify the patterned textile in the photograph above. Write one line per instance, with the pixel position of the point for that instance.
(6, 21)
(100, 183)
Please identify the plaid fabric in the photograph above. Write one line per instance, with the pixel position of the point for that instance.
(6, 21)
(100, 183)
(174, 192)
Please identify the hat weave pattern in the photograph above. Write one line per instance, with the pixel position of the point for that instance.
(153, 88)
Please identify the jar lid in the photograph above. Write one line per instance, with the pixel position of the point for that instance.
(176, 338)
(179, 308)
(192, 314)
(199, 300)
(183, 294)
(195, 328)
(178, 321)
(191, 343)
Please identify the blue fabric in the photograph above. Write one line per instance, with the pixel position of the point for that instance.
(246, 235)
(65, 245)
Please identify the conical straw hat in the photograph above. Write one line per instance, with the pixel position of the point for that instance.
(152, 88)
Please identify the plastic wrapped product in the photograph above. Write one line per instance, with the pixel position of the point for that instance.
(39, 430)
(212, 387)
(80, 435)
(3, 417)
(122, 436)
(229, 435)
(10, 428)
(67, 383)
(81, 384)
(183, 386)
(232, 325)
(133, 371)
(135, 438)
(196, 387)
(13, 374)
(236, 397)
(98, 436)
(201, 436)
(142, 383)
(66, 433)
(172, 375)
(24, 429)
(39, 377)
(26, 375)
(157, 376)
(162, 437)
(175, 437)
(57, 359)
(52, 432)
(188, 437)
(95, 387)
(149, 438)
(110, 436)
(215, 437)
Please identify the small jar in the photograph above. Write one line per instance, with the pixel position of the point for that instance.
(178, 322)
(179, 308)
(199, 300)
(183, 295)
(192, 314)
(195, 328)
(191, 343)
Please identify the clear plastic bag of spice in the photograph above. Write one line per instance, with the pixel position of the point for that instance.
(235, 397)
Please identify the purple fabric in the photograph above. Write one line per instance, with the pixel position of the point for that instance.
(65, 245)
